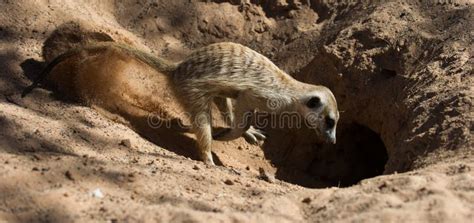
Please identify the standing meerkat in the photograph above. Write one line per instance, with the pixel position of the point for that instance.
(233, 71)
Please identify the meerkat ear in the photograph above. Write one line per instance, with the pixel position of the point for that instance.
(313, 102)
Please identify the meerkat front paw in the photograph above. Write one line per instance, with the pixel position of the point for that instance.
(253, 135)
(207, 159)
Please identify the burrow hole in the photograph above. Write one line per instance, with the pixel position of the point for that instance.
(359, 154)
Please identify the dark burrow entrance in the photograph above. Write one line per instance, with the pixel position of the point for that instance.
(358, 154)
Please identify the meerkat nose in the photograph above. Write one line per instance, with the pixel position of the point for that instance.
(330, 122)
(331, 137)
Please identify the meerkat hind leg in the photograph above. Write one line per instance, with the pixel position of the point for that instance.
(202, 129)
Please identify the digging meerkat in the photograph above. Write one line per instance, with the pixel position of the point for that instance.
(231, 71)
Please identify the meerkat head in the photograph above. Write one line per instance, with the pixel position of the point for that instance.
(318, 107)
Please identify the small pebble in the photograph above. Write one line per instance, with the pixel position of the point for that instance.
(69, 176)
(306, 200)
(97, 193)
(126, 143)
(265, 176)
(229, 182)
(131, 177)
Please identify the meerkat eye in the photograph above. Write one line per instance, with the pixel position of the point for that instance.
(313, 102)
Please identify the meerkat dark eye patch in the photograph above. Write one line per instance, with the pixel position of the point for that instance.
(313, 102)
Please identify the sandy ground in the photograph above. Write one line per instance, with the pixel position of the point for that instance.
(67, 162)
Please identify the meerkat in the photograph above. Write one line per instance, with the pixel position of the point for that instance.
(228, 71)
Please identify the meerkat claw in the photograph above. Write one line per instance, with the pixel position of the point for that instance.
(253, 135)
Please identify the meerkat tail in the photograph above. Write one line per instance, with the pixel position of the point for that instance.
(47, 70)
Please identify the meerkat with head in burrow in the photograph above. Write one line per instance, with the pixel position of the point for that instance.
(233, 71)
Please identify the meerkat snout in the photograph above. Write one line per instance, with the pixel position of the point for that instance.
(319, 110)
(330, 130)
